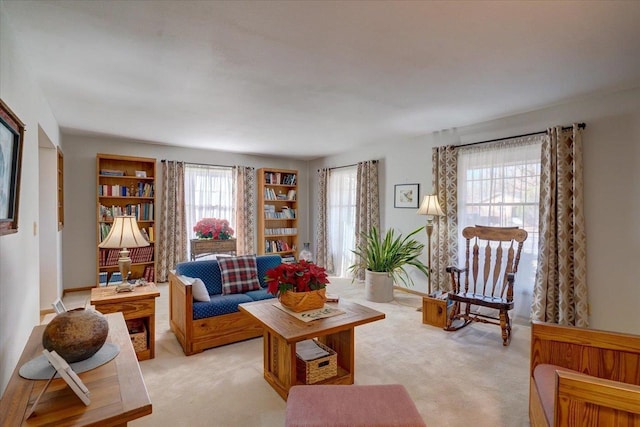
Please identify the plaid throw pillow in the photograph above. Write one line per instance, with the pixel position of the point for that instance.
(239, 274)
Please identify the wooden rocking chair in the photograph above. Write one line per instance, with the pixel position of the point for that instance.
(494, 289)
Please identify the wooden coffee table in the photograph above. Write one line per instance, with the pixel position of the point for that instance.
(282, 331)
(118, 392)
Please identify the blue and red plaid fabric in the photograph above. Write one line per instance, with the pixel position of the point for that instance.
(239, 274)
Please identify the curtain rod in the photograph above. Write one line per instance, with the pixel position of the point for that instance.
(347, 166)
(201, 164)
(580, 126)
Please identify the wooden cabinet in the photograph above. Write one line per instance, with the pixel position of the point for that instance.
(140, 304)
(278, 212)
(125, 186)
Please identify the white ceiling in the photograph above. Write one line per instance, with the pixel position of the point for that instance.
(313, 78)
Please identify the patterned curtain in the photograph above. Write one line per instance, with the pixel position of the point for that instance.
(244, 181)
(172, 241)
(322, 243)
(560, 293)
(444, 241)
(367, 201)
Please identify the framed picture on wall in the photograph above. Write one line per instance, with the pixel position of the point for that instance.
(406, 196)
(11, 135)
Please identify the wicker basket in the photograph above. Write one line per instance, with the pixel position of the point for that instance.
(303, 301)
(313, 371)
(138, 334)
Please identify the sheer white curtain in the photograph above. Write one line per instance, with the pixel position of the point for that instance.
(341, 218)
(208, 193)
(499, 185)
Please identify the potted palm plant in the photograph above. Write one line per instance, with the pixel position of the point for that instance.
(383, 259)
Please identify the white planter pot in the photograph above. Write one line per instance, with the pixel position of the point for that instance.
(378, 286)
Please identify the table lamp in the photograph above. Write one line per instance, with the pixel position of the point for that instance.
(430, 207)
(124, 234)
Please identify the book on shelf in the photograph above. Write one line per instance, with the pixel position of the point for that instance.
(111, 172)
(149, 273)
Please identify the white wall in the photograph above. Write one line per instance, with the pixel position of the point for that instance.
(79, 241)
(612, 194)
(50, 283)
(19, 252)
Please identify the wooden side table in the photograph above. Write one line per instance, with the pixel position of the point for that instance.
(118, 392)
(138, 304)
(203, 247)
(434, 311)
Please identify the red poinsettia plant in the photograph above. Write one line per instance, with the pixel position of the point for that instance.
(302, 276)
(213, 228)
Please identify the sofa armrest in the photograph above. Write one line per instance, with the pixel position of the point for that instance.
(583, 350)
(579, 396)
(180, 308)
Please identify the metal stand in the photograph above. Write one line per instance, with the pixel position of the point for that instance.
(429, 232)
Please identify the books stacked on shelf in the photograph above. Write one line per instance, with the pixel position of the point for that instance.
(149, 273)
(109, 257)
(116, 278)
(285, 213)
(113, 190)
(291, 195)
(270, 194)
(277, 178)
(289, 259)
(111, 172)
(104, 230)
(277, 246)
(280, 231)
(143, 189)
(142, 211)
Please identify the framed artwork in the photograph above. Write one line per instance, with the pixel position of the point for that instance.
(11, 140)
(406, 196)
(58, 306)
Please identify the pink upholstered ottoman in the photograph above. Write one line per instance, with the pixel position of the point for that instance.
(351, 405)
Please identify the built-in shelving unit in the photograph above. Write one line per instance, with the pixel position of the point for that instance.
(125, 186)
(278, 212)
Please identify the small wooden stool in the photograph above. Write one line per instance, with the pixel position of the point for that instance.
(351, 405)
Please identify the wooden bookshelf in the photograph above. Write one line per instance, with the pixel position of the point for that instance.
(125, 185)
(278, 212)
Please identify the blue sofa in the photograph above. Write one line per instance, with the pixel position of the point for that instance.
(201, 325)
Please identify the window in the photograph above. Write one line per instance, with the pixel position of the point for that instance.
(208, 194)
(499, 185)
(341, 218)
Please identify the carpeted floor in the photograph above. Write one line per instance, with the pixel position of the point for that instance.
(464, 378)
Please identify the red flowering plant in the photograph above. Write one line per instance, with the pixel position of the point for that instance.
(213, 228)
(302, 276)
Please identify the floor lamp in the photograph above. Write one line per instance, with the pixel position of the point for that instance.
(430, 207)
(124, 234)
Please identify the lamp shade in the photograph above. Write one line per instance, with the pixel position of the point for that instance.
(124, 233)
(430, 206)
